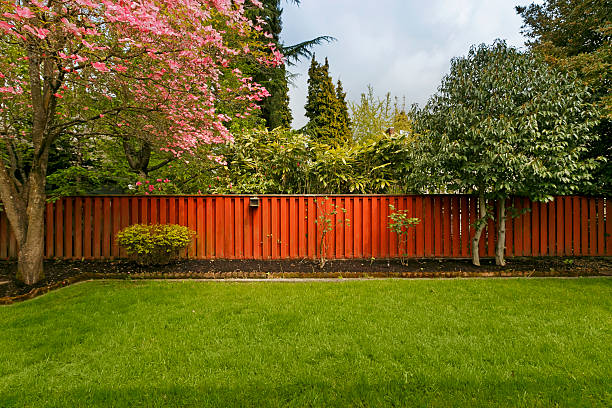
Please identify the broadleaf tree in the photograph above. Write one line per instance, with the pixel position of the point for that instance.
(504, 123)
(75, 66)
(576, 35)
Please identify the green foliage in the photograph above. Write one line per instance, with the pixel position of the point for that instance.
(327, 114)
(504, 123)
(326, 224)
(401, 223)
(371, 117)
(576, 36)
(154, 244)
(261, 161)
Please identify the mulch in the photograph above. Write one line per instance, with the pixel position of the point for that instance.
(61, 273)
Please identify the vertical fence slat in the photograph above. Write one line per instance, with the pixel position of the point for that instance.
(567, 216)
(526, 217)
(584, 226)
(608, 250)
(367, 227)
(576, 225)
(437, 223)
(192, 224)
(59, 228)
(560, 211)
(393, 237)
(375, 242)
(535, 228)
(552, 237)
(49, 240)
(275, 233)
(116, 210)
(419, 231)
(68, 229)
(518, 227)
(87, 229)
(357, 227)
(311, 217)
(257, 237)
(465, 225)
(592, 227)
(219, 208)
(284, 227)
(125, 219)
(209, 240)
(77, 250)
(247, 230)
(600, 227)
(428, 225)
(491, 232)
(302, 224)
(266, 205)
(448, 250)
(348, 228)
(228, 228)
(383, 230)
(293, 223)
(455, 234)
(106, 228)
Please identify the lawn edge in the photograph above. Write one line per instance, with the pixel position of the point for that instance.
(258, 276)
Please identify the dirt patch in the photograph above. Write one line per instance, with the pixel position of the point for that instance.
(62, 273)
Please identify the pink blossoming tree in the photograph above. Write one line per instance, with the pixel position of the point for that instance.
(83, 67)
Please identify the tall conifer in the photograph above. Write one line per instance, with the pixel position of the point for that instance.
(323, 109)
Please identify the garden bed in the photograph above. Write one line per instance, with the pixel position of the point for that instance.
(62, 273)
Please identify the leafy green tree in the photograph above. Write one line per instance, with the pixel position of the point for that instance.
(323, 109)
(372, 116)
(504, 123)
(576, 35)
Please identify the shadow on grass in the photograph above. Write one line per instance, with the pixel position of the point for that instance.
(411, 392)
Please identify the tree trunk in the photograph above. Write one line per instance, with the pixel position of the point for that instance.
(31, 251)
(501, 234)
(480, 225)
(26, 215)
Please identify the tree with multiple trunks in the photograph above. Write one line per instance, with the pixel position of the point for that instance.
(503, 123)
(576, 36)
(90, 68)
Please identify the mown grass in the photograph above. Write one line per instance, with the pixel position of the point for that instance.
(520, 342)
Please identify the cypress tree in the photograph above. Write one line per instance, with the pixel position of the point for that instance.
(327, 122)
(275, 109)
(343, 109)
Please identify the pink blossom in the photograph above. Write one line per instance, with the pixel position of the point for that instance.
(100, 66)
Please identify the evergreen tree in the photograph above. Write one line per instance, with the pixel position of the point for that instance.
(343, 109)
(326, 123)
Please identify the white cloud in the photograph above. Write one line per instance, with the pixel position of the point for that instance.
(398, 46)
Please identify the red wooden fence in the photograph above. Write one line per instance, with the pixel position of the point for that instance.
(284, 226)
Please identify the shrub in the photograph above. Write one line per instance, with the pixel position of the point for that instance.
(154, 244)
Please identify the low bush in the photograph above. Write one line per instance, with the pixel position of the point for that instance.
(154, 244)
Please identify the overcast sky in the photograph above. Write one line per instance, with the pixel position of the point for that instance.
(398, 46)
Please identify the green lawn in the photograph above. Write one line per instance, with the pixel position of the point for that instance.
(518, 342)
